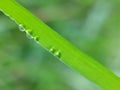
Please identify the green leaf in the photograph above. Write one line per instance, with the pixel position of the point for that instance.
(60, 47)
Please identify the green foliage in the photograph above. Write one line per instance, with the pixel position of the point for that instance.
(49, 41)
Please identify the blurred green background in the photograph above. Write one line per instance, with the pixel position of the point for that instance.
(91, 25)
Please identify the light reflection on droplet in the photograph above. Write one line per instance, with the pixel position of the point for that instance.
(29, 36)
(21, 28)
(58, 54)
(52, 50)
(55, 52)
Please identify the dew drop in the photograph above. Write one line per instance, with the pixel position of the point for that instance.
(55, 52)
(29, 31)
(29, 36)
(58, 54)
(21, 28)
(36, 38)
(52, 50)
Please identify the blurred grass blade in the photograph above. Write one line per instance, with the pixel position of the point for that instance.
(60, 47)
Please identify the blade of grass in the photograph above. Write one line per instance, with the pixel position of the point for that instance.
(60, 47)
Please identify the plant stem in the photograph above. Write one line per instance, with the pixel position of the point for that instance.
(60, 47)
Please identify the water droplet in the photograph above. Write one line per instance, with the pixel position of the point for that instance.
(36, 38)
(58, 54)
(29, 36)
(55, 52)
(52, 50)
(29, 31)
(21, 28)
